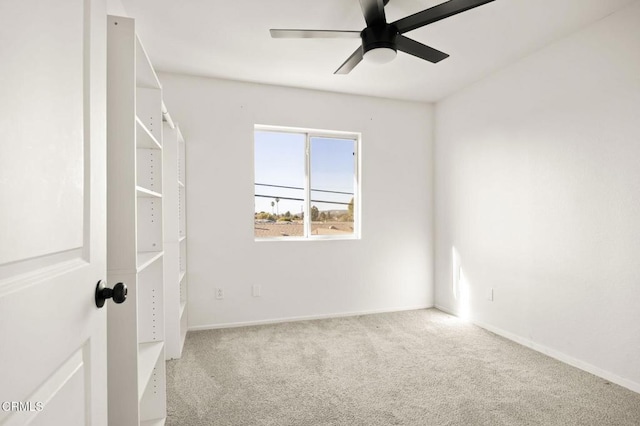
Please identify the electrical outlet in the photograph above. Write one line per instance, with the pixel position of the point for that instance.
(490, 295)
(256, 290)
(219, 293)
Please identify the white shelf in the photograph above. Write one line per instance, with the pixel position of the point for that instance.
(148, 354)
(144, 192)
(144, 137)
(145, 74)
(146, 258)
(135, 233)
(154, 422)
(149, 170)
(174, 226)
(149, 112)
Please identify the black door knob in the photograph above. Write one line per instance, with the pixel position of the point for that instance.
(118, 293)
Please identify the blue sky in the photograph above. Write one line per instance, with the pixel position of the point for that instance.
(279, 159)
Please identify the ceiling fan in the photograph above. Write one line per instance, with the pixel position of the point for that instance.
(381, 40)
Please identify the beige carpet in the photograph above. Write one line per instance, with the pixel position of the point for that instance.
(407, 368)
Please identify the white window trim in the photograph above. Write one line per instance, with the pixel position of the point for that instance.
(320, 133)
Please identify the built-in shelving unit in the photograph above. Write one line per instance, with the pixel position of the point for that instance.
(135, 235)
(175, 239)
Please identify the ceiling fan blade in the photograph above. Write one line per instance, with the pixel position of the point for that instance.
(420, 50)
(373, 11)
(314, 34)
(351, 63)
(436, 13)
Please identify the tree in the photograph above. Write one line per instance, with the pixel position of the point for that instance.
(272, 204)
(277, 201)
(287, 214)
(314, 213)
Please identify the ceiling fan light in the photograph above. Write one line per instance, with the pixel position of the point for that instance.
(380, 55)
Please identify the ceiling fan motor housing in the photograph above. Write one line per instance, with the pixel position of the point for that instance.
(381, 36)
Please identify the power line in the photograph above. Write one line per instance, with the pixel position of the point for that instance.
(293, 187)
(302, 199)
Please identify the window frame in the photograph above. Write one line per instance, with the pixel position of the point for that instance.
(357, 198)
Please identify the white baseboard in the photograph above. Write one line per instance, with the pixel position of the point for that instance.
(445, 310)
(589, 368)
(306, 318)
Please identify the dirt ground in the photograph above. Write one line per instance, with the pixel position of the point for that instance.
(295, 229)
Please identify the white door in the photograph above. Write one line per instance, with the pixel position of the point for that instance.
(52, 212)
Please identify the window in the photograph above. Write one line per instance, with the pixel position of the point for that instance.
(306, 184)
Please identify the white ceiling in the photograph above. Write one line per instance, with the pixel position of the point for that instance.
(230, 39)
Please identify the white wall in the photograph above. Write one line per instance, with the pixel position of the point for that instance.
(538, 188)
(115, 7)
(390, 268)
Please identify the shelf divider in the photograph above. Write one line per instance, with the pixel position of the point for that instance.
(146, 258)
(144, 192)
(144, 137)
